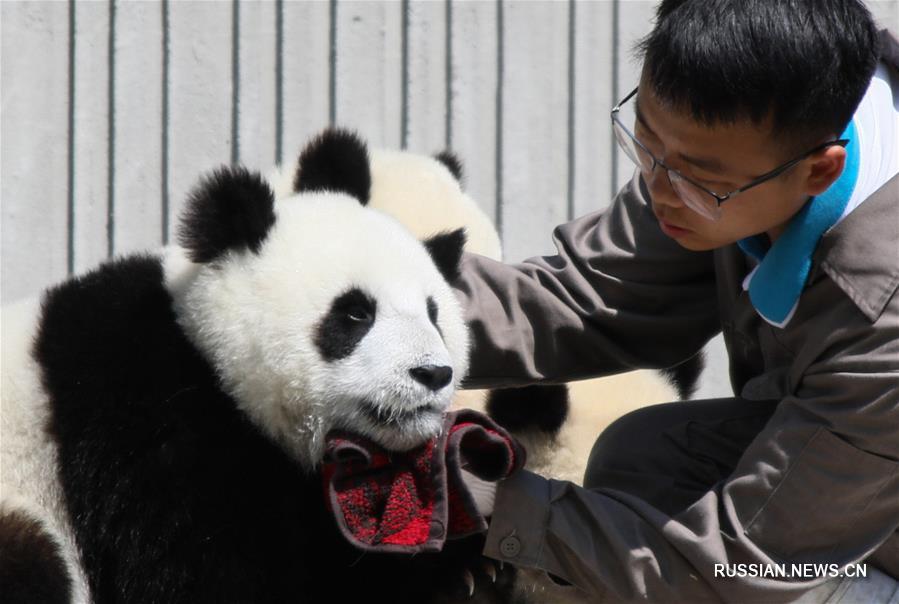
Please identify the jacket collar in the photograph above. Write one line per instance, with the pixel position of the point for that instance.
(776, 284)
(861, 253)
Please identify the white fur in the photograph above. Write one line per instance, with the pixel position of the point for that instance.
(255, 315)
(421, 193)
(594, 404)
(254, 318)
(28, 455)
(417, 190)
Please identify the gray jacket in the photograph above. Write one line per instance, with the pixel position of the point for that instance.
(820, 484)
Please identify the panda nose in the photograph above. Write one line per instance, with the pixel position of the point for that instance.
(434, 377)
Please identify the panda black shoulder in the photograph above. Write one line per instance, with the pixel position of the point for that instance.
(108, 346)
(148, 441)
(108, 315)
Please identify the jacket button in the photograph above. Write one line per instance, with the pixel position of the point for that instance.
(510, 546)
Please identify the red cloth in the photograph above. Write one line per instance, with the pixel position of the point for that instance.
(414, 501)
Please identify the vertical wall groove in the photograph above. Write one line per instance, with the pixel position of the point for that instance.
(164, 176)
(70, 177)
(70, 151)
(616, 13)
(332, 69)
(110, 150)
(500, 67)
(448, 128)
(571, 108)
(279, 81)
(235, 81)
(404, 78)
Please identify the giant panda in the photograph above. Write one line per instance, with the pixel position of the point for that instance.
(163, 415)
(558, 424)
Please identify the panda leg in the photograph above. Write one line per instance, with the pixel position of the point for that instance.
(32, 568)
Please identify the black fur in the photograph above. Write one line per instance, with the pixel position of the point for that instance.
(432, 310)
(433, 377)
(336, 160)
(350, 317)
(446, 252)
(173, 494)
(685, 376)
(452, 163)
(432, 314)
(543, 407)
(31, 566)
(231, 209)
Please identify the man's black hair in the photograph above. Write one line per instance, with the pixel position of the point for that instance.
(806, 63)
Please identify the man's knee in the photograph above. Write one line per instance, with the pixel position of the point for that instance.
(627, 440)
(657, 440)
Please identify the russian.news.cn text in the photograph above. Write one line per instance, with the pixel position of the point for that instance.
(789, 571)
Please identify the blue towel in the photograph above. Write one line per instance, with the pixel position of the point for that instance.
(778, 280)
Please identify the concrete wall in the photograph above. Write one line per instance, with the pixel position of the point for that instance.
(110, 110)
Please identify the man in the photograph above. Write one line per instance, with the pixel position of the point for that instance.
(766, 205)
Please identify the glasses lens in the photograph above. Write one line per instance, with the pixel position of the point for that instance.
(635, 152)
(694, 198)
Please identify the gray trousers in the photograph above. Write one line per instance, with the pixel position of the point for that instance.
(672, 453)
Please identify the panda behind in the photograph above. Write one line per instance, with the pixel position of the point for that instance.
(188, 395)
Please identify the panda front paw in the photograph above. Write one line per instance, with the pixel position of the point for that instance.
(483, 580)
(488, 569)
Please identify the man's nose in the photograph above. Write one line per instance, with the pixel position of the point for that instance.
(660, 188)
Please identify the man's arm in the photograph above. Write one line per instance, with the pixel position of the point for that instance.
(619, 295)
(820, 484)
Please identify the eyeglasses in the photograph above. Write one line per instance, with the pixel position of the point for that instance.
(695, 196)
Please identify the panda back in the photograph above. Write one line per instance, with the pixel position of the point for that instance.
(172, 494)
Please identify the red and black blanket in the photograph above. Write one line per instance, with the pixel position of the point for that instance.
(415, 500)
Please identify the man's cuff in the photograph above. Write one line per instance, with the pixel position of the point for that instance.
(520, 516)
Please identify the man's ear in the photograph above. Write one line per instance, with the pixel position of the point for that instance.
(825, 167)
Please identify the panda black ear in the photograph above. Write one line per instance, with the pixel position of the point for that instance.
(446, 252)
(231, 208)
(452, 163)
(335, 160)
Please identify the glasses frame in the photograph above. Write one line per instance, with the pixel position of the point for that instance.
(717, 197)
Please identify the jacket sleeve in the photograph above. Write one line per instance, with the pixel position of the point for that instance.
(618, 295)
(819, 485)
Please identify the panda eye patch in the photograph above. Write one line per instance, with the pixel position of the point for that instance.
(350, 317)
(355, 306)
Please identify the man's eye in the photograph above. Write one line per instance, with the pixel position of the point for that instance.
(715, 185)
